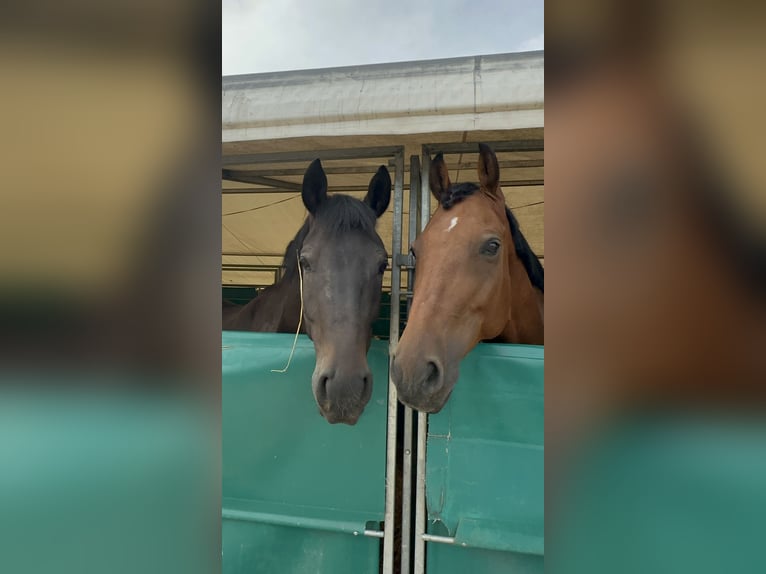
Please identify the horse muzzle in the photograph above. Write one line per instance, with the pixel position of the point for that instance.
(423, 384)
(341, 397)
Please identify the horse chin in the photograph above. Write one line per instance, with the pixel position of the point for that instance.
(350, 421)
(432, 407)
(427, 408)
(334, 418)
(431, 404)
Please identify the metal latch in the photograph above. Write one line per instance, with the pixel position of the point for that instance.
(404, 260)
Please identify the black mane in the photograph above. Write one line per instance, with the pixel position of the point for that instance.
(534, 268)
(337, 214)
(531, 262)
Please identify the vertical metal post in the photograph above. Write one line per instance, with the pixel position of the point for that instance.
(388, 530)
(412, 229)
(420, 463)
(425, 191)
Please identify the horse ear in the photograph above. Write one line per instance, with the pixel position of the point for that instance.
(314, 190)
(379, 191)
(438, 177)
(488, 168)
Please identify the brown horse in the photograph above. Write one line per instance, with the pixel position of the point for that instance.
(476, 279)
(342, 260)
(277, 308)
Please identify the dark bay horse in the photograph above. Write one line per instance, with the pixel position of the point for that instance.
(476, 279)
(342, 260)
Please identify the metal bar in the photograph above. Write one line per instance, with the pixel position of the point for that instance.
(374, 533)
(521, 182)
(292, 521)
(371, 169)
(504, 164)
(255, 190)
(420, 496)
(405, 261)
(246, 177)
(330, 170)
(246, 254)
(406, 491)
(310, 155)
(250, 267)
(439, 539)
(363, 187)
(503, 146)
(419, 204)
(396, 235)
(420, 443)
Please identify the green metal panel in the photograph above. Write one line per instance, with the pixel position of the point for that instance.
(95, 481)
(238, 295)
(673, 492)
(485, 465)
(448, 558)
(297, 491)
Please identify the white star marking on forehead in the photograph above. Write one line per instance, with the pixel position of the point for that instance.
(452, 223)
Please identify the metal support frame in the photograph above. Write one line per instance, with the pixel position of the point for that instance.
(276, 270)
(396, 235)
(407, 442)
(310, 155)
(360, 188)
(473, 147)
(243, 176)
(368, 169)
(420, 463)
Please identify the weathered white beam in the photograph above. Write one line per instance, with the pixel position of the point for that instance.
(503, 91)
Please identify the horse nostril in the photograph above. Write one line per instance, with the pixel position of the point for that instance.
(322, 388)
(367, 385)
(433, 375)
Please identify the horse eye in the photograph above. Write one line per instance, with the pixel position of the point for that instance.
(383, 267)
(490, 247)
(304, 263)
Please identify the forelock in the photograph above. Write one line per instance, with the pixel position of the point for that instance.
(342, 213)
(457, 193)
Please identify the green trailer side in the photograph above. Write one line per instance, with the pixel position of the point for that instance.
(485, 465)
(298, 493)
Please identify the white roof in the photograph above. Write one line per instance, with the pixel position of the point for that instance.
(459, 94)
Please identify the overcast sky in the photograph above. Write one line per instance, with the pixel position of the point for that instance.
(274, 35)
